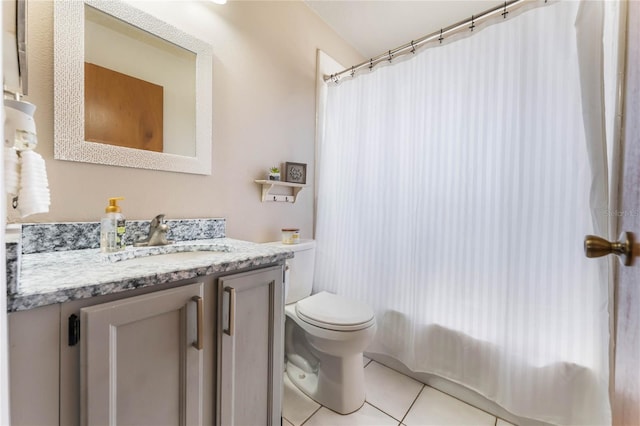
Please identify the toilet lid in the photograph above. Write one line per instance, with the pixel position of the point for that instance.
(334, 312)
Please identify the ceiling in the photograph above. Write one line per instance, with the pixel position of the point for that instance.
(374, 27)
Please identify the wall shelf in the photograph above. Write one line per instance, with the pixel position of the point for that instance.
(267, 185)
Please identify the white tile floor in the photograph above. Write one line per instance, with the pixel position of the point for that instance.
(392, 399)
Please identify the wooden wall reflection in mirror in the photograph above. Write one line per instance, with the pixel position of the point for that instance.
(138, 56)
(122, 110)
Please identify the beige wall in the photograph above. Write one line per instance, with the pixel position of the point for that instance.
(264, 114)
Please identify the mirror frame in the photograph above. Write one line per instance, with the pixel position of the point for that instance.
(69, 143)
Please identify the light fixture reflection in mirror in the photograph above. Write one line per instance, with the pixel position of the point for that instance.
(137, 50)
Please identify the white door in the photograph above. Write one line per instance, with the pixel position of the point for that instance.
(626, 398)
(141, 360)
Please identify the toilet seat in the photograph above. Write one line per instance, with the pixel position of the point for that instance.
(333, 312)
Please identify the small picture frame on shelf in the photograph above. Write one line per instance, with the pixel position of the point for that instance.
(295, 172)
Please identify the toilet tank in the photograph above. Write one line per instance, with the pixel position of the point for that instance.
(299, 275)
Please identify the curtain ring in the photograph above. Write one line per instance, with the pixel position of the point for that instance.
(440, 38)
(371, 64)
(353, 71)
(473, 23)
(390, 57)
(413, 47)
(504, 14)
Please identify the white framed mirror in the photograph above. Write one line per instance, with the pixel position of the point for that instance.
(129, 43)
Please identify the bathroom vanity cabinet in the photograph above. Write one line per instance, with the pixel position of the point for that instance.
(156, 355)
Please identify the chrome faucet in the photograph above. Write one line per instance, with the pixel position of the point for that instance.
(157, 233)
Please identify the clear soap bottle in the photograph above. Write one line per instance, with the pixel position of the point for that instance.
(112, 227)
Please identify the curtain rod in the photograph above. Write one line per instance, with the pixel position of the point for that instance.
(411, 47)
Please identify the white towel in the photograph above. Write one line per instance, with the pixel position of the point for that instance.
(33, 196)
(11, 171)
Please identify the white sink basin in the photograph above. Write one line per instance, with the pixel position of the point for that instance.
(178, 257)
(182, 250)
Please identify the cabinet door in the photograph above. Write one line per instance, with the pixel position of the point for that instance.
(250, 338)
(140, 362)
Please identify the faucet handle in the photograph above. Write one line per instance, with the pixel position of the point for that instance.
(158, 220)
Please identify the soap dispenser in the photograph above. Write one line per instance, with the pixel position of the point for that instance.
(112, 227)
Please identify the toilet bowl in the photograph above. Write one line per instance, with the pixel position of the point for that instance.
(325, 335)
(325, 363)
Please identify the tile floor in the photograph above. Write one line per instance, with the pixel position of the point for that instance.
(392, 399)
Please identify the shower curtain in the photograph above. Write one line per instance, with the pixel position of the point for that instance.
(455, 189)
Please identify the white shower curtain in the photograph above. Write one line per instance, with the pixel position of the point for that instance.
(455, 189)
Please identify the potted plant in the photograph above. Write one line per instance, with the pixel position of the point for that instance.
(274, 173)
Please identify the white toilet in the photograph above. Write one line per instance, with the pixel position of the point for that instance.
(325, 335)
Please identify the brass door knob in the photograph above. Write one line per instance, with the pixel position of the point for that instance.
(595, 246)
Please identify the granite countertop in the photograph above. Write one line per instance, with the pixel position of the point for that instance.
(61, 276)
